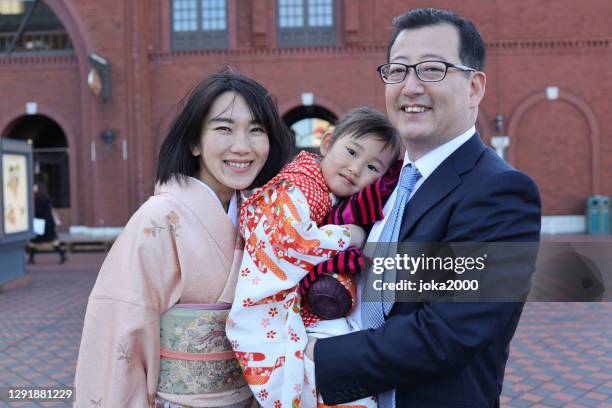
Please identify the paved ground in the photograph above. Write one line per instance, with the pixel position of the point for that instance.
(561, 355)
(40, 325)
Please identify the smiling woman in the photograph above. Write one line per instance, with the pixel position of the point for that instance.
(154, 327)
(233, 147)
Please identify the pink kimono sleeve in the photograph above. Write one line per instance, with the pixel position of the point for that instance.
(118, 362)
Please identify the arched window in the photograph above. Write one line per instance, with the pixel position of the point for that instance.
(309, 124)
(309, 132)
(29, 26)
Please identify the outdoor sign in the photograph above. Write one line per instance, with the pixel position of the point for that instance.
(15, 193)
(16, 206)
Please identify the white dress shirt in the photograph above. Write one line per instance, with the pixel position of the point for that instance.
(426, 165)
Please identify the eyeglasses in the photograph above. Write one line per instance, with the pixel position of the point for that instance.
(426, 71)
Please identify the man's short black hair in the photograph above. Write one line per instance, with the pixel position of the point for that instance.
(175, 155)
(471, 45)
(366, 121)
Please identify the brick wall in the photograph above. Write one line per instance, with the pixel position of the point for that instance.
(531, 45)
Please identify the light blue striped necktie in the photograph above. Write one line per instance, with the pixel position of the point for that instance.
(373, 313)
(408, 178)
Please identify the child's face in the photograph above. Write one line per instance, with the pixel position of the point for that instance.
(350, 165)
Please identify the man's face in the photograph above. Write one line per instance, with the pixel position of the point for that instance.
(428, 114)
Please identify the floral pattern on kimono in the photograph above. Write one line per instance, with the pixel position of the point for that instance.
(179, 247)
(282, 243)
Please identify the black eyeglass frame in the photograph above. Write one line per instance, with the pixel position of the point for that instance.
(447, 65)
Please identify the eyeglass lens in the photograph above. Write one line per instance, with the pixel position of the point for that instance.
(426, 71)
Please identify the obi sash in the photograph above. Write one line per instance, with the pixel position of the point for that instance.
(196, 356)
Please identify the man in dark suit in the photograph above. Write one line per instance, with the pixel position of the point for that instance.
(436, 354)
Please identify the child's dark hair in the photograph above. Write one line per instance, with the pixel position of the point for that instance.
(366, 121)
(175, 155)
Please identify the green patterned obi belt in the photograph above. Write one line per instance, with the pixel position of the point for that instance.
(196, 356)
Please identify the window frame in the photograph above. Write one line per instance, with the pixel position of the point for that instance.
(307, 35)
(199, 39)
(52, 38)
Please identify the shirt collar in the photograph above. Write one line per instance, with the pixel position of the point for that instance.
(429, 162)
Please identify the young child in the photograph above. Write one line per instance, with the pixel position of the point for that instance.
(284, 240)
(328, 290)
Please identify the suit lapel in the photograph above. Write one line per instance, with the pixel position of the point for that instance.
(441, 182)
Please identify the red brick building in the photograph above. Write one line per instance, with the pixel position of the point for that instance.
(548, 73)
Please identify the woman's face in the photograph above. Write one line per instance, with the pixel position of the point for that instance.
(232, 148)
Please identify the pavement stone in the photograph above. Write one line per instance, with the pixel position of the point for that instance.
(41, 325)
(560, 356)
(570, 343)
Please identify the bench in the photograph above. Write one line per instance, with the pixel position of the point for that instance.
(87, 242)
(81, 238)
(32, 248)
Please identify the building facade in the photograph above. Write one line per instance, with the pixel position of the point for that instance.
(96, 84)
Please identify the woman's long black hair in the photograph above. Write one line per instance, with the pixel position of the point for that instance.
(175, 155)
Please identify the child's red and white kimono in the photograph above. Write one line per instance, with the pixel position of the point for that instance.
(283, 242)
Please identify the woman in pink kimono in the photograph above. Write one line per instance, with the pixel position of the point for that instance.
(173, 269)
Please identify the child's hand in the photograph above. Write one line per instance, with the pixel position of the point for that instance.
(358, 235)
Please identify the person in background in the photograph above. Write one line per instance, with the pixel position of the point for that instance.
(43, 209)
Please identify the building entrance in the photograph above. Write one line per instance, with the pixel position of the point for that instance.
(50, 150)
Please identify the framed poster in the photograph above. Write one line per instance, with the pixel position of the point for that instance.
(15, 193)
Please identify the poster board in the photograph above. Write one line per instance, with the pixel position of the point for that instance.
(15, 193)
(16, 201)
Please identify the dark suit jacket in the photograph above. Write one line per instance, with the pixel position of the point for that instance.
(442, 354)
